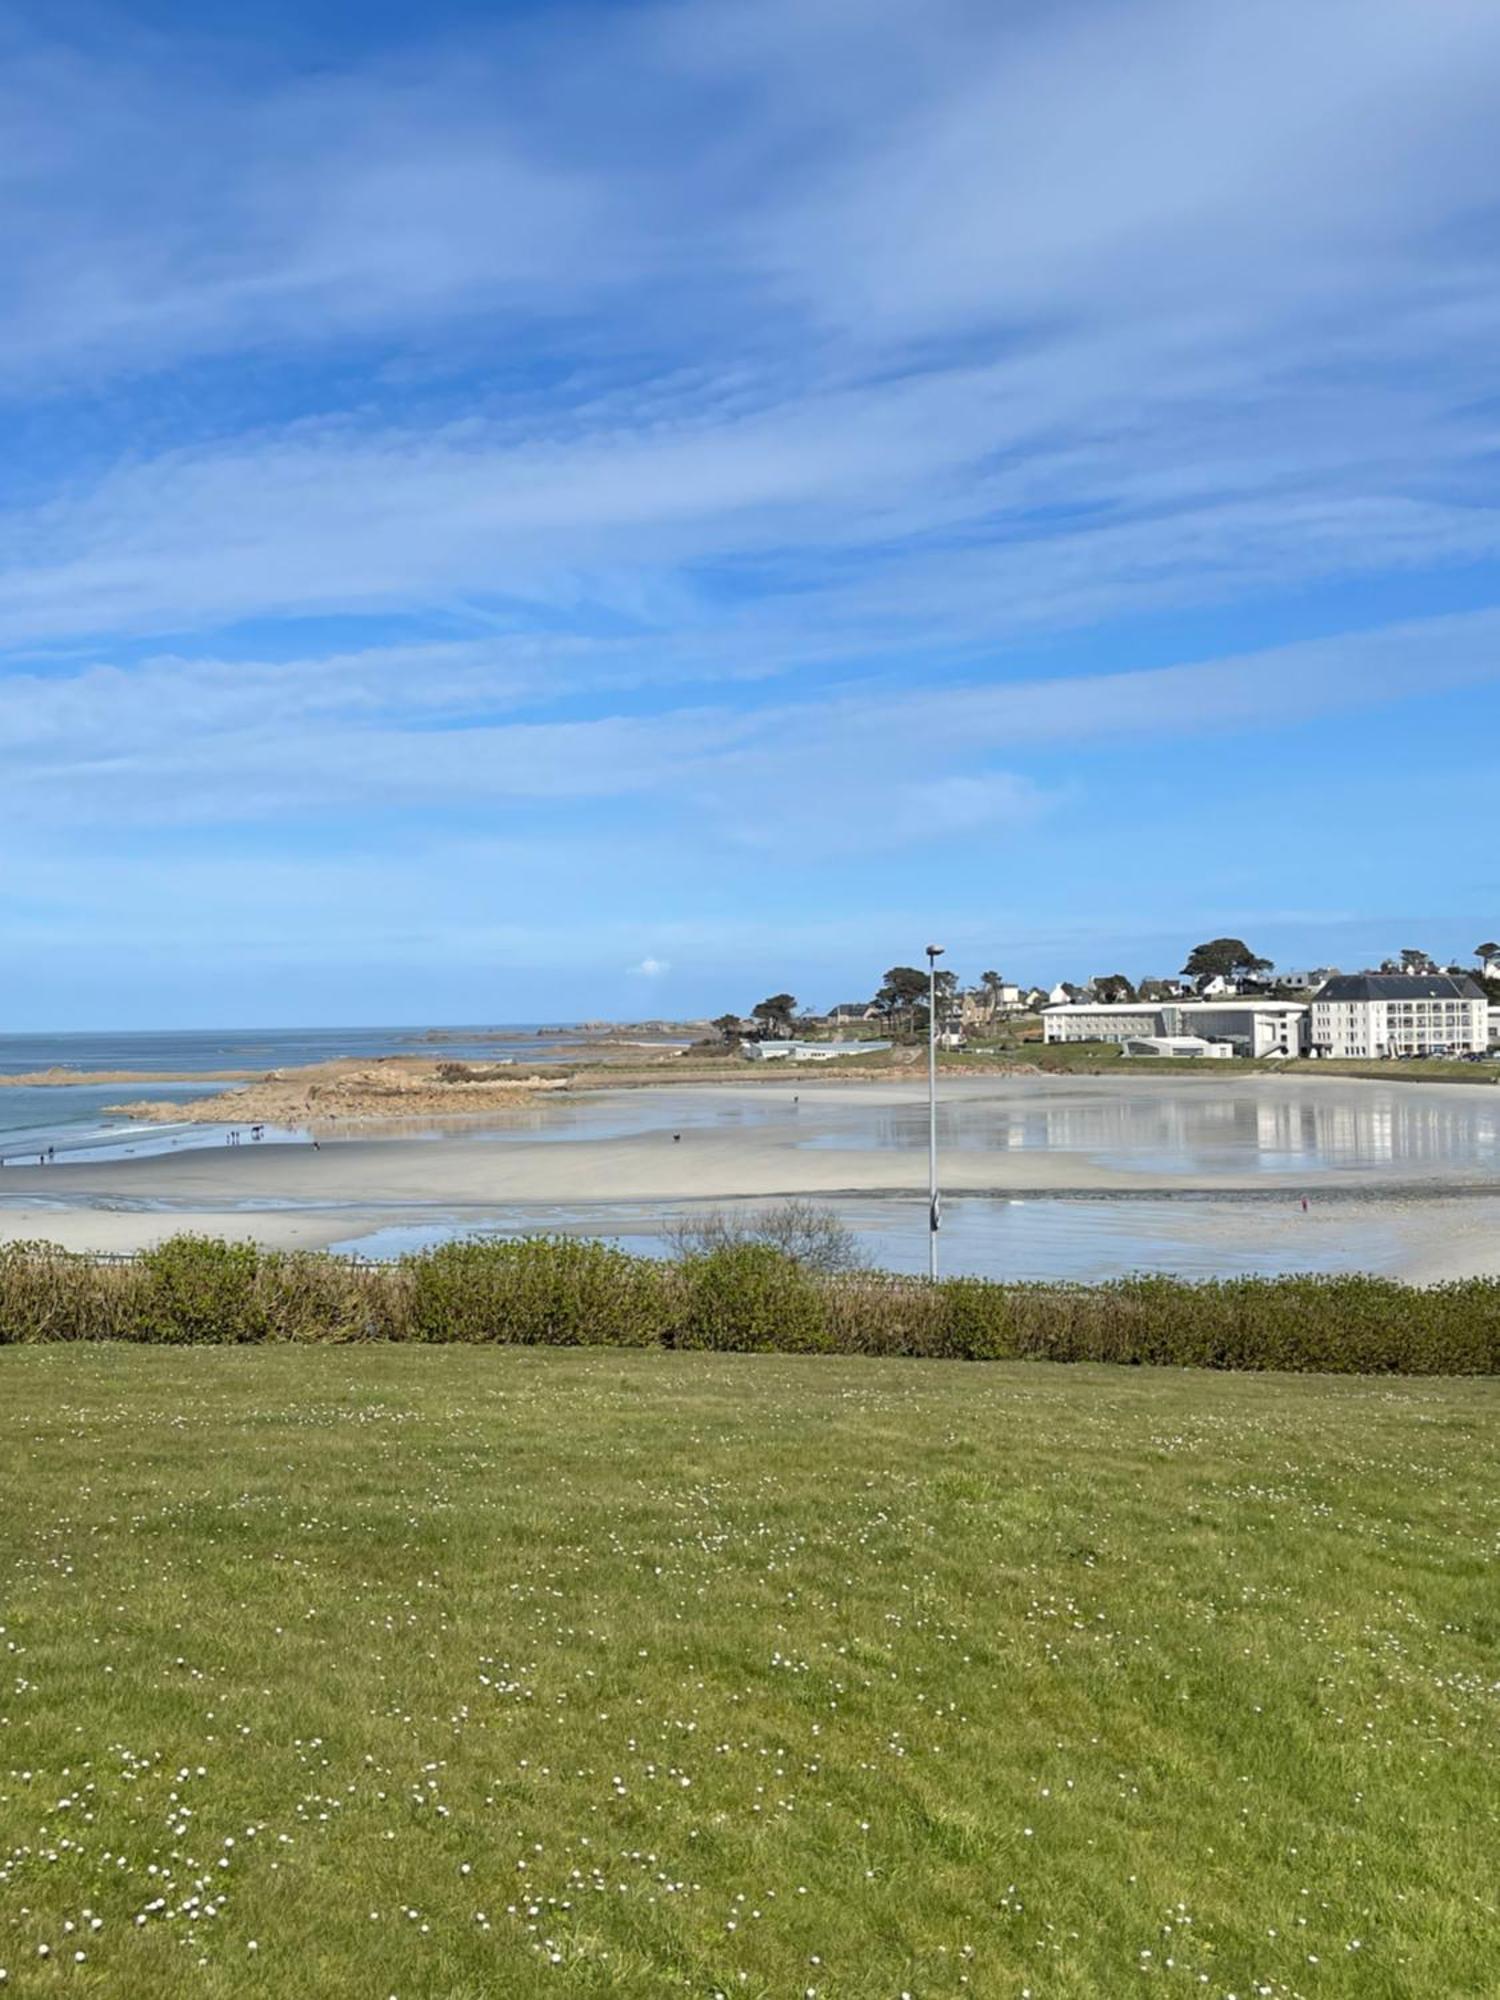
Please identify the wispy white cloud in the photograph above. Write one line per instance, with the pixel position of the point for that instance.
(410, 729)
(716, 419)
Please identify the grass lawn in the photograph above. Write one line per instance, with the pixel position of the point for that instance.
(1096, 1058)
(455, 1671)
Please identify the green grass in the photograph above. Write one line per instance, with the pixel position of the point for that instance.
(1095, 1058)
(518, 1672)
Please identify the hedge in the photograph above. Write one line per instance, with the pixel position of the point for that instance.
(746, 1297)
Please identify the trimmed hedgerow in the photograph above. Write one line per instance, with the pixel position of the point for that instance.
(743, 1297)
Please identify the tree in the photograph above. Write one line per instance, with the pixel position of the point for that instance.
(728, 1026)
(807, 1233)
(903, 995)
(1484, 952)
(1413, 960)
(1223, 958)
(776, 1015)
(1113, 987)
(901, 989)
(991, 983)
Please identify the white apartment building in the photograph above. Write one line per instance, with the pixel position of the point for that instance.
(1251, 1027)
(1399, 1014)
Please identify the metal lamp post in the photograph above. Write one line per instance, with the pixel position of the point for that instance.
(934, 1215)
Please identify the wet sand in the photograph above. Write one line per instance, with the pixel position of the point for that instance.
(1423, 1162)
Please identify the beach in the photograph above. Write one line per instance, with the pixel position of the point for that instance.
(1076, 1175)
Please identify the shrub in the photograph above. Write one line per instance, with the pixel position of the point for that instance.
(978, 1320)
(751, 1297)
(555, 1290)
(307, 1295)
(48, 1294)
(743, 1295)
(874, 1312)
(199, 1289)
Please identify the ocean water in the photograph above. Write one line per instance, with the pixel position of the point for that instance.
(74, 1119)
(985, 1236)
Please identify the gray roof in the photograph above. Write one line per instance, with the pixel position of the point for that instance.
(1399, 986)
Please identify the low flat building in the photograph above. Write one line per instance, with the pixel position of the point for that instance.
(801, 1052)
(1363, 1014)
(1099, 1021)
(1177, 1047)
(1250, 1027)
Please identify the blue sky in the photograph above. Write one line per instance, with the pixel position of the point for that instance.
(519, 512)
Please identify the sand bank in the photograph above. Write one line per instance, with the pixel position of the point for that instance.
(320, 1096)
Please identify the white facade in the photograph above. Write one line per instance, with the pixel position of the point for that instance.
(806, 1051)
(1176, 1046)
(1099, 1021)
(1494, 1017)
(1255, 1027)
(1251, 1027)
(1396, 1014)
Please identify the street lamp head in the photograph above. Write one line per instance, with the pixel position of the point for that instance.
(934, 951)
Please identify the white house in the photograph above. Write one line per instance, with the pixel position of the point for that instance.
(1399, 1014)
(979, 1005)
